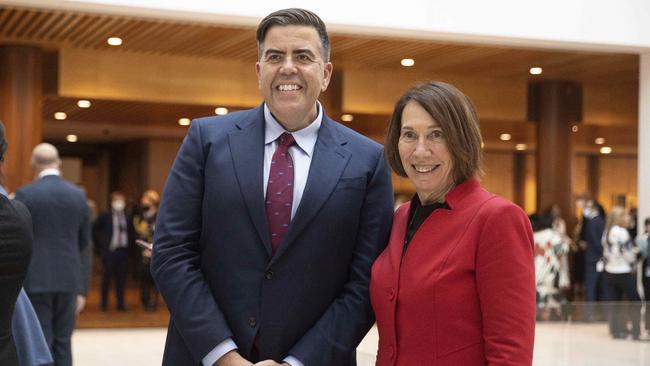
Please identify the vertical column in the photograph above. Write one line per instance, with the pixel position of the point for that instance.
(555, 106)
(593, 176)
(643, 158)
(519, 179)
(21, 98)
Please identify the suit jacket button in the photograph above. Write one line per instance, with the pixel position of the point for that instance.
(252, 322)
(268, 275)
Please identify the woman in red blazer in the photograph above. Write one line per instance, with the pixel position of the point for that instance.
(456, 284)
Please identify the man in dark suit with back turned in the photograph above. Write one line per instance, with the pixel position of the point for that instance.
(271, 219)
(61, 231)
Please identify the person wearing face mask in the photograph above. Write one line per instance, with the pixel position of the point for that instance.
(593, 225)
(113, 234)
(144, 222)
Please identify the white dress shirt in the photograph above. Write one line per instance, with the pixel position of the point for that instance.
(301, 153)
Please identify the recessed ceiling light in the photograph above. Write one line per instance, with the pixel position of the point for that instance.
(60, 116)
(575, 128)
(114, 41)
(505, 137)
(83, 103)
(407, 62)
(220, 111)
(71, 138)
(347, 118)
(605, 150)
(535, 70)
(599, 140)
(184, 121)
(520, 147)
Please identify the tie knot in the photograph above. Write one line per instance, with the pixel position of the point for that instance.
(286, 139)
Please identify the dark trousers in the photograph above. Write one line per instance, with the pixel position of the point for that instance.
(646, 291)
(595, 283)
(622, 287)
(148, 289)
(115, 265)
(56, 313)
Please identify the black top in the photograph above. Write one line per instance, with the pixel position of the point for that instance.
(417, 215)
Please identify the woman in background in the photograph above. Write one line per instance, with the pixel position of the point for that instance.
(620, 254)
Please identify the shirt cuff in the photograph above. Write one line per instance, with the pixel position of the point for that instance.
(218, 352)
(292, 361)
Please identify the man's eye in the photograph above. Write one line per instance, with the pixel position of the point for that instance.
(273, 57)
(304, 58)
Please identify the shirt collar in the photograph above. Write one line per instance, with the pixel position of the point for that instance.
(305, 138)
(3, 192)
(49, 171)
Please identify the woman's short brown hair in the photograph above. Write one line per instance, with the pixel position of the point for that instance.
(455, 114)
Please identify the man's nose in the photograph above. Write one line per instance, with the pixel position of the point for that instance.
(288, 66)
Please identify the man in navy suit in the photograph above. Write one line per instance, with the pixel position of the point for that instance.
(61, 231)
(271, 219)
(113, 234)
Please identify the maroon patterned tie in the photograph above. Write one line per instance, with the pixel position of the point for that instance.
(279, 191)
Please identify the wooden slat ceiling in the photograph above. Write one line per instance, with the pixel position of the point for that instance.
(57, 28)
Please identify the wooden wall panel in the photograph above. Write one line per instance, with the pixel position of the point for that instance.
(618, 176)
(530, 189)
(161, 155)
(498, 173)
(179, 79)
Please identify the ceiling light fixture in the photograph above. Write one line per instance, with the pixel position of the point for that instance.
(60, 116)
(599, 140)
(83, 103)
(575, 128)
(505, 137)
(605, 150)
(347, 118)
(536, 70)
(114, 41)
(520, 147)
(71, 138)
(407, 62)
(184, 121)
(220, 111)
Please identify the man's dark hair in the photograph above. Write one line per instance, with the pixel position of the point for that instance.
(3, 141)
(293, 16)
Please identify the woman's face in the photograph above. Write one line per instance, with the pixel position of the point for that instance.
(424, 154)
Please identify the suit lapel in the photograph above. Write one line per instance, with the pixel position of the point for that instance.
(247, 151)
(328, 162)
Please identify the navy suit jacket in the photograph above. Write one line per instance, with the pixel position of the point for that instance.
(212, 257)
(103, 231)
(61, 230)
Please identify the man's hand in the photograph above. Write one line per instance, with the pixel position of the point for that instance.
(271, 363)
(232, 358)
(81, 304)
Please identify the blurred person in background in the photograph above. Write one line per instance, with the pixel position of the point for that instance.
(113, 234)
(591, 234)
(620, 253)
(550, 250)
(643, 243)
(456, 284)
(61, 232)
(144, 222)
